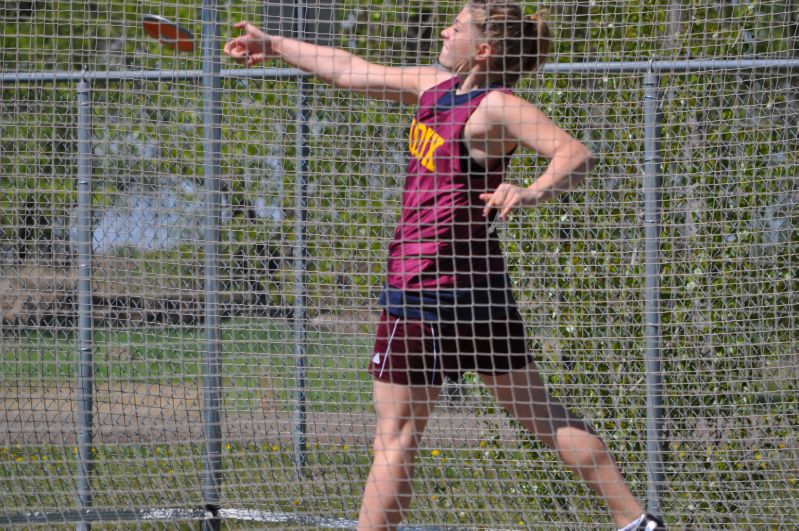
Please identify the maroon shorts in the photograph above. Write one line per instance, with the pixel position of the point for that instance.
(411, 352)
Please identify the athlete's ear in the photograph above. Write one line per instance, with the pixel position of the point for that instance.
(484, 51)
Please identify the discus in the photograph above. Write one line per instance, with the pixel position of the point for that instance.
(168, 33)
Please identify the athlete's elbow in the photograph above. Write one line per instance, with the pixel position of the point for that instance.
(582, 162)
(340, 81)
(583, 156)
(589, 161)
(348, 80)
(348, 71)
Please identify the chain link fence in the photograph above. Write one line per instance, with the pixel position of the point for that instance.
(203, 356)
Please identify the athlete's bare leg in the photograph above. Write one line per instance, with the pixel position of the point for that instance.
(402, 414)
(524, 396)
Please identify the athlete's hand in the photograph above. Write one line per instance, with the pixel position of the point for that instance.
(507, 197)
(253, 47)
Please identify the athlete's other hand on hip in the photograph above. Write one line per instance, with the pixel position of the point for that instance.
(508, 196)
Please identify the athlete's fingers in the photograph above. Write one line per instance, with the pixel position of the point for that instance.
(493, 200)
(255, 59)
(247, 27)
(488, 198)
(256, 38)
(253, 36)
(507, 206)
(505, 198)
(235, 54)
(234, 48)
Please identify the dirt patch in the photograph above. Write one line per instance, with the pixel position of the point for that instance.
(147, 413)
(121, 293)
(31, 295)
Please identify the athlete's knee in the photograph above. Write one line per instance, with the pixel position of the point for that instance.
(397, 441)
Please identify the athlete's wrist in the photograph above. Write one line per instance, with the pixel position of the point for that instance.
(273, 45)
(533, 195)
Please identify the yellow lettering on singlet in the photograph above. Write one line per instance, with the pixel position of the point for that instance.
(426, 138)
(423, 142)
(427, 161)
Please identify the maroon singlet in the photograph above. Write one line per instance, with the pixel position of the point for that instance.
(448, 307)
(442, 241)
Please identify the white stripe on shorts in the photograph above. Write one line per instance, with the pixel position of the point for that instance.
(388, 348)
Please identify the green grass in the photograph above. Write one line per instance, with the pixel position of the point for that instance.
(734, 484)
(454, 487)
(490, 485)
(256, 476)
(257, 357)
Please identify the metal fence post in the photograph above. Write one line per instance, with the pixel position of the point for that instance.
(301, 265)
(653, 347)
(85, 354)
(212, 122)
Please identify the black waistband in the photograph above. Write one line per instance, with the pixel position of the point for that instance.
(478, 303)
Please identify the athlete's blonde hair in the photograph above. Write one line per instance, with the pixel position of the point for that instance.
(520, 42)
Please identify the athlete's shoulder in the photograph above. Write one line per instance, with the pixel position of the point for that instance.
(504, 97)
(501, 104)
(431, 76)
(399, 83)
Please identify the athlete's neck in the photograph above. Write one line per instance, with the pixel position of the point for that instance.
(472, 81)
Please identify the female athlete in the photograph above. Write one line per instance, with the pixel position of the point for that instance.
(448, 307)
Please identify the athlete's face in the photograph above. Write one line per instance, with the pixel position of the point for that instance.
(462, 45)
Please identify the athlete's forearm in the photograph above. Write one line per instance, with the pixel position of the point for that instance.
(332, 65)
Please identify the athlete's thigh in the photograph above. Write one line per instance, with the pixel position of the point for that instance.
(403, 410)
(523, 394)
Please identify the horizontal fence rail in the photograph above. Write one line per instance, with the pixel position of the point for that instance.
(632, 67)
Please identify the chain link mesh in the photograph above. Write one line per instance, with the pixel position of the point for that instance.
(728, 282)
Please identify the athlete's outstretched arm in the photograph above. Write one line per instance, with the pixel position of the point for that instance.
(334, 66)
(520, 121)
